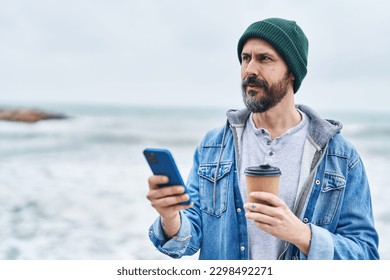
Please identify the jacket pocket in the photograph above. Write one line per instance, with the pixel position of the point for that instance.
(214, 202)
(329, 199)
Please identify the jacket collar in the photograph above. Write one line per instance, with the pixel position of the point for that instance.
(320, 130)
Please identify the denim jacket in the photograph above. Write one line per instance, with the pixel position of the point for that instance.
(333, 198)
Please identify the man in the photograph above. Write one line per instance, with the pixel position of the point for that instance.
(323, 210)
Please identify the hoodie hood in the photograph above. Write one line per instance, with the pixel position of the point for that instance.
(320, 130)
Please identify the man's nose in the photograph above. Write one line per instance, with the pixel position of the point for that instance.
(251, 69)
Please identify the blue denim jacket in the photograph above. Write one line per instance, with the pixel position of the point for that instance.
(334, 201)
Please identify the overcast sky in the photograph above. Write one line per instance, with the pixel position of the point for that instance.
(183, 53)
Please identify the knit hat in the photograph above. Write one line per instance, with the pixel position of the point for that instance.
(288, 40)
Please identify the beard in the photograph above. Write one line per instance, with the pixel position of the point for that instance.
(272, 94)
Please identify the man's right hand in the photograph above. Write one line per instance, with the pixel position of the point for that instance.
(166, 201)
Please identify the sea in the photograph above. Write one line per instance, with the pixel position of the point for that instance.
(76, 188)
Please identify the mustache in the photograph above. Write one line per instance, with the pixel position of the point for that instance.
(253, 81)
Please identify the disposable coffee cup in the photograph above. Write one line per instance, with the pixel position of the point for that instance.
(263, 178)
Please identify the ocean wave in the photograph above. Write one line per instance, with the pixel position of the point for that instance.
(84, 132)
(367, 131)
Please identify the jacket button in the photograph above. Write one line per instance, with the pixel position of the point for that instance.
(305, 220)
(242, 248)
(238, 210)
(318, 182)
(150, 233)
(293, 257)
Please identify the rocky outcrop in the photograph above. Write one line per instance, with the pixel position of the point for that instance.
(28, 115)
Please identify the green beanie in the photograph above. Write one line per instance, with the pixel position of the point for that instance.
(288, 40)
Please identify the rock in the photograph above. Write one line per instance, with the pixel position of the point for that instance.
(28, 115)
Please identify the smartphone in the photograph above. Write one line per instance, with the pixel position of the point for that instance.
(162, 163)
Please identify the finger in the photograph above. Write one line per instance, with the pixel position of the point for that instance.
(260, 218)
(180, 207)
(266, 197)
(170, 200)
(258, 207)
(266, 227)
(164, 191)
(251, 206)
(264, 209)
(156, 180)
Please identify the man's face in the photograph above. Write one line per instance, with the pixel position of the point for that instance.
(265, 76)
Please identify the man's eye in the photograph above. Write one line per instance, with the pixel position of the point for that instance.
(265, 58)
(246, 58)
